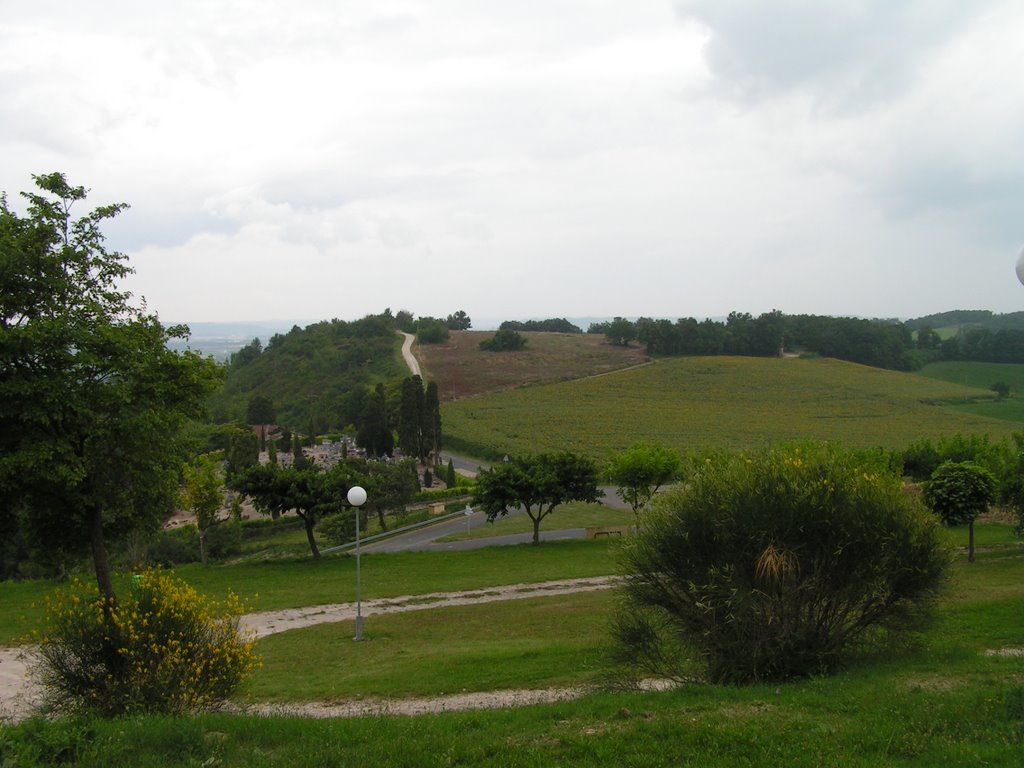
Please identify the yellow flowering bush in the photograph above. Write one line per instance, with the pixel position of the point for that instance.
(163, 648)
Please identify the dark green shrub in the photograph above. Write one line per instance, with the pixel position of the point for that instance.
(224, 539)
(163, 648)
(504, 340)
(175, 546)
(776, 565)
(337, 529)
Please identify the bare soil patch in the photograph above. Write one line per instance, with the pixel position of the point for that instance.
(461, 369)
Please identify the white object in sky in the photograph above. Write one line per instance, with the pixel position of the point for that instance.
(1020, 267)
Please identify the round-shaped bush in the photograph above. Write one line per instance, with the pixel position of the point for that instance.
(771, 565)
(164, 649)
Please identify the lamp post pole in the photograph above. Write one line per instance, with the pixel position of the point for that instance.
(357, 497)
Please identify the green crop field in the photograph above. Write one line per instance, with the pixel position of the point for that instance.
(983, 376)
(706, 403)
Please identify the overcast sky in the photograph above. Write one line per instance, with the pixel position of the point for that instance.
(317, 159)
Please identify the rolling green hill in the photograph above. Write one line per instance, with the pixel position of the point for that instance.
(311, 373)
(701, 403)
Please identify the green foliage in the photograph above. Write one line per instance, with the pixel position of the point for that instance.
(538, 484)
(551, 325)
(260, 410)
(505, 340)
(430, 330)
(450, 478)
(202, 494)
(640, 471)
(775, 564)
(316, 377)
(458, 321)
(308, 491)
(374, 435)
(1002, 389)
(960, 491)
(92, 401)
(162, 649)
(338, 528)
(620, 331)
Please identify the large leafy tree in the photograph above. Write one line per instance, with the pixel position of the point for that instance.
(91, 398)
(538, 484)
(309, 492)
(640, 471)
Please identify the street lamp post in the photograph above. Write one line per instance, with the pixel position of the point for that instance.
(357, 497)
(467, 512)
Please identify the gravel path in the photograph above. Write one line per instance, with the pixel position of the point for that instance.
(18, 695)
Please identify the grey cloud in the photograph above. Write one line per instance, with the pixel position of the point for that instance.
(848, 54)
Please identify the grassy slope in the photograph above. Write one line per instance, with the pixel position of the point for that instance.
(942, 702)
(702, 403)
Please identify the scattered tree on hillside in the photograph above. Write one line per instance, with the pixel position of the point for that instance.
(459, 321)
(432, 422)
(620, 331)
(405, 321)
(640, 471)
(958, 492)
(201, 495)
(374, 433)
(247, 354)
(551, 325)
(1002, 390)
(243, 450)
(309, 492)
(450, 479)
(91, 398)
(538, 484)
(410, 417)
(430, 330)
(504, 340)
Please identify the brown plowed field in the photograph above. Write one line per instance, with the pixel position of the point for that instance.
(461, 369)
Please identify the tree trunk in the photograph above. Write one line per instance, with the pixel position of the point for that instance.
(536, 528)
(970, 542)
(202, 548)
(100, 562)
(380, 518)
(309, 535)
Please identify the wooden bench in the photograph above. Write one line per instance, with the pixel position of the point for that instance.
(607, 531)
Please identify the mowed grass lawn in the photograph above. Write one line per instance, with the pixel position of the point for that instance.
(707, 403)
(950, 699)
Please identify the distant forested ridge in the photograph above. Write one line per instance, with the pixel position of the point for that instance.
(979, 336)
(981, 318)
(318, 378)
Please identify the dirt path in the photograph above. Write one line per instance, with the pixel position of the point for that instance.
(18, 694)
(410, 359)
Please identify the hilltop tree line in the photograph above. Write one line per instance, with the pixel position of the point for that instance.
(880, 343)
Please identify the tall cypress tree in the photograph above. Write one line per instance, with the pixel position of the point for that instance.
(432, 422)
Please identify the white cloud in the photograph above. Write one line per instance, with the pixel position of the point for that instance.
(533, 159)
